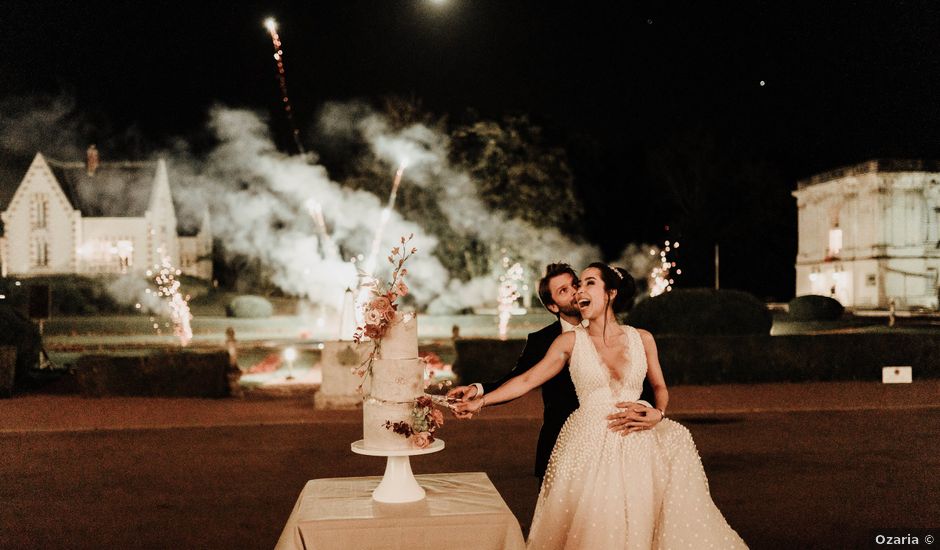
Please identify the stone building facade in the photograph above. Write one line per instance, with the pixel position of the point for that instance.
(97, 218)
(869, 234)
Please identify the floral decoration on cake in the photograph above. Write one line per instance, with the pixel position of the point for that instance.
(424, 421)
(379, 312)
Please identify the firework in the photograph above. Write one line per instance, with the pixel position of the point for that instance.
(271, 25)
(168, 289)
(383, 220)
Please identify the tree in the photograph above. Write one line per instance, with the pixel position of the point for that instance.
(517, 172)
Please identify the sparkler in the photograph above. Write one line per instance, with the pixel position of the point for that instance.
(660, 277)
(271, 25)
(508, 294)
(168, 289)
(383, 220)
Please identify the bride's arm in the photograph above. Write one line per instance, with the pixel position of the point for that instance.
(541, 372)
(654, 372)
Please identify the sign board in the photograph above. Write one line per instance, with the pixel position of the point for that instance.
(896, 375)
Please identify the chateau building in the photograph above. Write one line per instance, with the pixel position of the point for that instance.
(96, 218)
(869, 234)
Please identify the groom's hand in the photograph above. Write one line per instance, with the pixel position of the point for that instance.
(633, 417)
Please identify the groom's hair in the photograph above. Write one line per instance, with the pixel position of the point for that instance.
(552, 271)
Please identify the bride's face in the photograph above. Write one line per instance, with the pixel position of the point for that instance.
(592, 296)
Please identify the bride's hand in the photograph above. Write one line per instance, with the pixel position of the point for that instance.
(633, 417)
(463, 392)
(466, 409)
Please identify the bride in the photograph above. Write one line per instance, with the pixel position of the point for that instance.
(605, 489)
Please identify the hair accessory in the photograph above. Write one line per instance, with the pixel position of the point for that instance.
(619, 274)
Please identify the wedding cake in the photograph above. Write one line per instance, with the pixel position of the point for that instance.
(396, 414)
(397, 381)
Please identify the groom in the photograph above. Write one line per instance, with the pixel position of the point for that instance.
(556, 291)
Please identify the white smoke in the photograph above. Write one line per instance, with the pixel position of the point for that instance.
(258, 197)
(639, 260)
(424, 151)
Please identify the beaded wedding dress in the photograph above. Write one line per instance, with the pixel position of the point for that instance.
(605, 491)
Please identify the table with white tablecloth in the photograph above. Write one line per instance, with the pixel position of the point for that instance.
(460, 510)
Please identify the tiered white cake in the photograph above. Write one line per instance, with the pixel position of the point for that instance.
(397, 379)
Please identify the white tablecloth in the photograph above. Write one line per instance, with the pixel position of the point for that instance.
(461, 510)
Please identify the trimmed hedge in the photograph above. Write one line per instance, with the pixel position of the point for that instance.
(745, 359)
(166, 374)
(702, 311)
(813, 307)
(7, 370)
(18, 331)
(249, 307)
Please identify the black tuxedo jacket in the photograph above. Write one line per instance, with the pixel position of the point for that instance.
(558, 395)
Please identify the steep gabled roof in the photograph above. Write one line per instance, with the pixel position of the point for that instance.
(116, 189)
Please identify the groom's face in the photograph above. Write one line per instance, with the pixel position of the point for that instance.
(563, 288)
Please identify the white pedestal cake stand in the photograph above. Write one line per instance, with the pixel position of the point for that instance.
(398, 484)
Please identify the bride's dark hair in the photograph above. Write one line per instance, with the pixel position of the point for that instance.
(617, 278)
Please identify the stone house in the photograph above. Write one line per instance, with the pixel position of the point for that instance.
(96, 218)
(869, 234)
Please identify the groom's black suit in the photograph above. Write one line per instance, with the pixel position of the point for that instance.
(558, 395)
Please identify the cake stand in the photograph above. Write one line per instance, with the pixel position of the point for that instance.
(398, 484)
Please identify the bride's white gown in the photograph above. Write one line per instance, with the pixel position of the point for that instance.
(604, 491)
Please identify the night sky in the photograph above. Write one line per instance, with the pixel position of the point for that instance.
(842, 82)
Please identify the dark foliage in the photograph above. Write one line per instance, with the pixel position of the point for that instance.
(747, 359)
(700, 311)
(815, 308)
(19, 332)
(71, 294)
(168, 374)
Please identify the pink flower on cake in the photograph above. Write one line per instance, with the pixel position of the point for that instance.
(401, 288)
(421, 439)
(437, 417)
(380, 304)
(374, 317)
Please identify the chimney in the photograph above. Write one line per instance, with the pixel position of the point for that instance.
(91, 159)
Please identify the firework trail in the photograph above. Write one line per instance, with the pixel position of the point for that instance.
(386, 214)
(271, 25)
(315, 210)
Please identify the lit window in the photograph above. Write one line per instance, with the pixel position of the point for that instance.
(835, 242)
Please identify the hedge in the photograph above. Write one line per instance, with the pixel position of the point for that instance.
(7, 370)
(814, 308)
(249, 307)
(702, 311)
(745, 359)
(21, 333)
(166, 374)
(71, 294)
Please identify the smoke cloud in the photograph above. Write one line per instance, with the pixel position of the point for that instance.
(261, 202)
